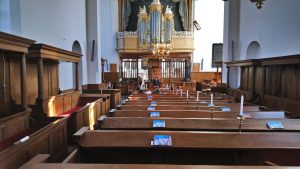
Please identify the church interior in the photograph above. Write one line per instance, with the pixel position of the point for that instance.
(130, 84)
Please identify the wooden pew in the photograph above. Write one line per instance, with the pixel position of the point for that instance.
(11, 125)
(105, 101)
(115, 94)
(40, 162)
(218, 148)
(49, 137)
(196, 114)
(195, 124)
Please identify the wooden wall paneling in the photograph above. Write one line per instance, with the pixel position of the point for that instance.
(243, 78)
(250, 79)
(4, 99)
(289, 82)
(258, 80)
(14, 81)
(59, 106)
(32, 82)
(298, 82)
(46, 81)
(67, 103)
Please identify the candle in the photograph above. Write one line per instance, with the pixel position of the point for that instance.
(211, 99)
(145, 86)
(242, 104)
(197, 95)
(180, 92)
(187, 94)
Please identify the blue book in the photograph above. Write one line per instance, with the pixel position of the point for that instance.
(275, 125)
(149, 97)
(225, 109)
(162, 140)
(203, 102)
(159, 123)
(150, 108)
(153, 104)
(154, 114)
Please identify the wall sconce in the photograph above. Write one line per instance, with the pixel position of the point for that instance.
(259, 3)
(196, 24)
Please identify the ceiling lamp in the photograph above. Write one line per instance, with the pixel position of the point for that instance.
(155, 29)
(259, 3)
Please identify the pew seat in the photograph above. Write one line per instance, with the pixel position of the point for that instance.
(46, 137)
(196, 124)
(12, 139)
(71, 111)
(202, 148)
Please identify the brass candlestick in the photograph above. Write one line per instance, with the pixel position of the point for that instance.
(211, 108)
(241, 120)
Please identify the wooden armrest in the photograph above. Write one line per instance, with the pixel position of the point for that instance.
(40, 158)
(271, 163)
(71, 157)
(81, 132)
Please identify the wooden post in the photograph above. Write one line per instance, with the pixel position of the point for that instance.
(76, 76)
(23, 82)
(253, 80)
(40, 79)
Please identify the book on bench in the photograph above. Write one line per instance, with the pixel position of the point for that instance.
(153, 103)
(158, 123)
(162, 140)
(225, 109)
(154, 114)
(275, 125)
(150, 108)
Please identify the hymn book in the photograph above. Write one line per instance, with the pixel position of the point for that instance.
(159, 123)
(150, 108)
(154, 114)
(162, 140)
(275, 125)
(225, 109)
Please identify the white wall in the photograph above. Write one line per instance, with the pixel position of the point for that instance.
(209, 14)
(93, 33)
(54, 22)
(276, 27)
(109, 28)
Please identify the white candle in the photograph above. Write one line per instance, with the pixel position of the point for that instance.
(211, 99)
(180, 92)
(197, 95)
(242, 105)
(145, 86)
(187, 94)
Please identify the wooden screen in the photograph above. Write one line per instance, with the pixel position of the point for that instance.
(173, 69)
(129, 69)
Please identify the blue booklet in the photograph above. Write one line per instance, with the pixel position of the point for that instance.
(153, 104)
(154, 114)
(149, 97)
(275, 125)
(225, 109)
(159, 123)
(150, 108)
(162, 140)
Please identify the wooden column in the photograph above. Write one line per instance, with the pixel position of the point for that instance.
(228, 74)
(40, 79)
(263, 81)
(76, 76)
(253, 80)
(23, 82)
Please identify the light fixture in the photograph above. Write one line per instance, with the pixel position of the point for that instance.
(196, 24)
(259, 3)
(155, 30)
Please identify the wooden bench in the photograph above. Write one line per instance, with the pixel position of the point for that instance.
(218, 148)
(48, 137)
(40, 161)
(115, 95)
(196, 114)
(195, 124)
